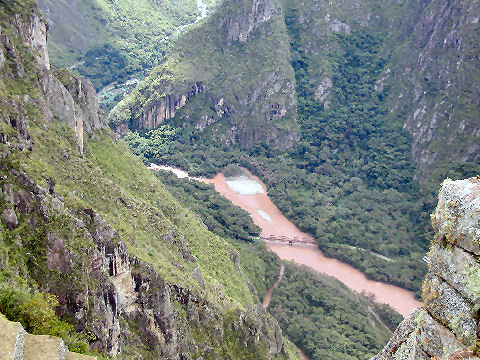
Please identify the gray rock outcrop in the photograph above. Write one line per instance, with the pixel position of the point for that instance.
(238, 86)
(447, 324)
(65, 97)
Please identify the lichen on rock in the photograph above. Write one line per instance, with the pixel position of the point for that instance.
(447, 325)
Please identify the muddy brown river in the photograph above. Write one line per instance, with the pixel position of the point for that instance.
(254, 199)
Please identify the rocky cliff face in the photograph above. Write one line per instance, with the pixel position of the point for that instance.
(120, 300)
(106, 277)
(437, 91)
(73, 102)
(236, 61)
(447, 324)
(165, 108)
(245, 17)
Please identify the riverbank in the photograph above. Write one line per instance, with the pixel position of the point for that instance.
(264, 213)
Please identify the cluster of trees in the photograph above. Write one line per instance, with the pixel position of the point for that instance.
(327, 320)
(105, 64)
(153, 144)
(231, 222)
(350, 178)
(220, 215)
(37, 315)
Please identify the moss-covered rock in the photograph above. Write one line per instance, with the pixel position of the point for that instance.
(446, 327)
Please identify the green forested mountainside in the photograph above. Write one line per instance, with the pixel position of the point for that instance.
(110, 40)
(228, 221)
(436, 93)
(231, 73)
(354, 179)
(327, 320)
(93, 247)
(350, 178)
(217, 213)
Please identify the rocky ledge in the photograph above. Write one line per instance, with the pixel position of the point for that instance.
(447, 324)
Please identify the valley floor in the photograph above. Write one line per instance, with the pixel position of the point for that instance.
(302, 249)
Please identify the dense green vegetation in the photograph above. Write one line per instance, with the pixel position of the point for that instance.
(37, 314)
(217, 213)
(228, 221)
(352, 176)
(349, 181)
(85, 33)
(325, 319)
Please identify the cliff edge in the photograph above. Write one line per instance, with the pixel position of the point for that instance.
(447, 324)
(136, 275)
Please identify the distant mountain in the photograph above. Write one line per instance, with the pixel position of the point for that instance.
(109, 40)
(229, 77)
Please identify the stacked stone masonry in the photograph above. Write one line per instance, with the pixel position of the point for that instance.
(16, 344)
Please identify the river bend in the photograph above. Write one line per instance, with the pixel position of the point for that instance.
(250, 193)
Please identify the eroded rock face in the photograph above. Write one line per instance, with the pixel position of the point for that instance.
(447, 324)
(247, 16)
(440, 86)
(165, 107)
(121, 301)
(34, 34)
(67, 98)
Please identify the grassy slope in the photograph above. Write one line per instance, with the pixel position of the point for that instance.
(130, 197)
(109, 173)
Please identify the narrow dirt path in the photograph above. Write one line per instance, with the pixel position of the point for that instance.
(268, 295)
(378, 319)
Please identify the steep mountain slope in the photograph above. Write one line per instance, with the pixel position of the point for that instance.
(431, 78)
(379, 98)
(435, 91)
(318, 313)
(136, 274)
(229, 80)
(108, 40)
